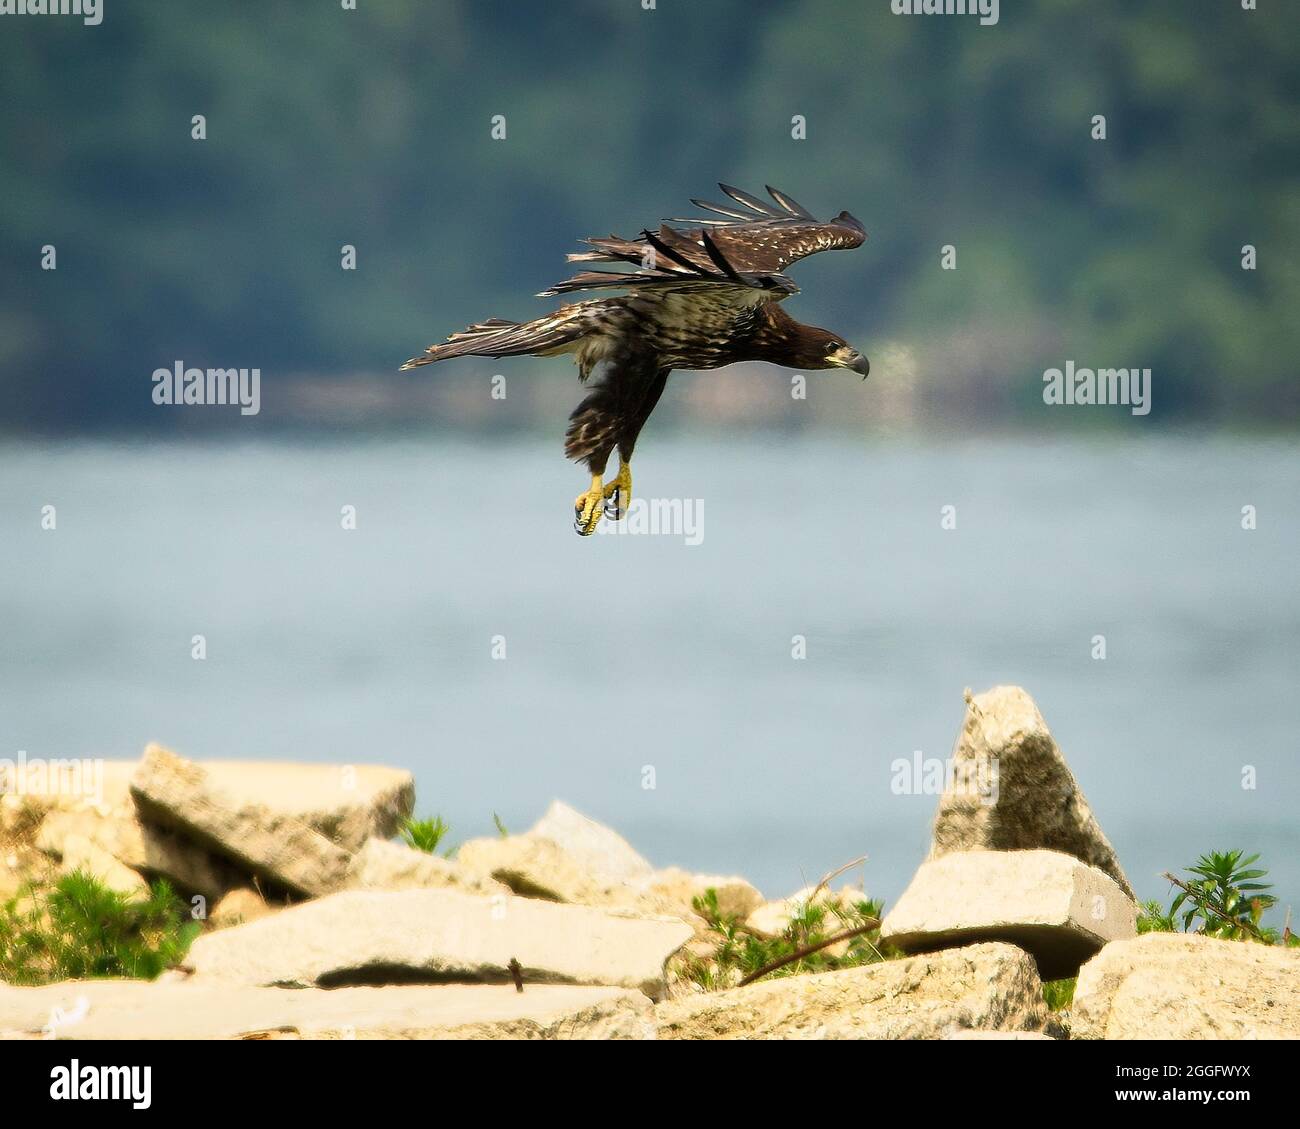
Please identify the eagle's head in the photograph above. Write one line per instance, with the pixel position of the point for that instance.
(821, 349)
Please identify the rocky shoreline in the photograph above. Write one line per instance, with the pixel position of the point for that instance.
(317, 925)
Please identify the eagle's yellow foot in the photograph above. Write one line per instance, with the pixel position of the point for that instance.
(587, 508)
(618, 494)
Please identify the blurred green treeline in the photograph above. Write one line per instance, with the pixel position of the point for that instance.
(371, 127)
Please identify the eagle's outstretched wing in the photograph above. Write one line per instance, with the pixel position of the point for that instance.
(751, 241)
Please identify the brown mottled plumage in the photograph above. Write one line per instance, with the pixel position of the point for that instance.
(701, 296)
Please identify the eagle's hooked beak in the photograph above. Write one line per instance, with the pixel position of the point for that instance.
(850, 358)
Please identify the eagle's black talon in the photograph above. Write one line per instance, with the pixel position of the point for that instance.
(614, 509)
(618, 494)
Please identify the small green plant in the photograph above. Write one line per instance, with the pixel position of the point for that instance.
(501, 827)
(1222, 897)
(741, 952)
(1059, 994)
(78, 928)
(1154, 918)
(424, 834)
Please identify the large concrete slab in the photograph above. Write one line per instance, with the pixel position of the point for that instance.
(137, 1010)
(348, 804)
(238, 816)
(366, 937)
(1048, 903)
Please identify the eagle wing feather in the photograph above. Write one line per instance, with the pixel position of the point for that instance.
(753, 238)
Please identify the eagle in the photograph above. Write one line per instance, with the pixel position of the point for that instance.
(703, 294)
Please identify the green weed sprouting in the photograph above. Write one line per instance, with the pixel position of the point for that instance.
(424, 834)
(741, 951)
(78, 929)
(1059, 994)
(1154, 918)
(428, 834)
(1221, 897)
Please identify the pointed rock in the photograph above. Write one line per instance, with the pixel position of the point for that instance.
(598, 849)
(1010, 789)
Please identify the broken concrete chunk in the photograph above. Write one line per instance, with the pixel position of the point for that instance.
(381, 865)
(679, 888)
(225, 815)
(1046, 902)
(989, 987)
(1186, 986)
(240, 905)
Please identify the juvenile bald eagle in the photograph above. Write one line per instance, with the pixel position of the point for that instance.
(701, 297)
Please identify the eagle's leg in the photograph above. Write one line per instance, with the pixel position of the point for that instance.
(618, 494)
(587, 508)
(610, 417)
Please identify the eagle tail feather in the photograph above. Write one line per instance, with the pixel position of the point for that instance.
(499, 338)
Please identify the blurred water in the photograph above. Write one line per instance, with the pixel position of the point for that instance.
(622, 652)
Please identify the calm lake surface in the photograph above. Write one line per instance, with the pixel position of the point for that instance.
(622, 652)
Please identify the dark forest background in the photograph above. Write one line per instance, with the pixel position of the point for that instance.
(371, 127)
